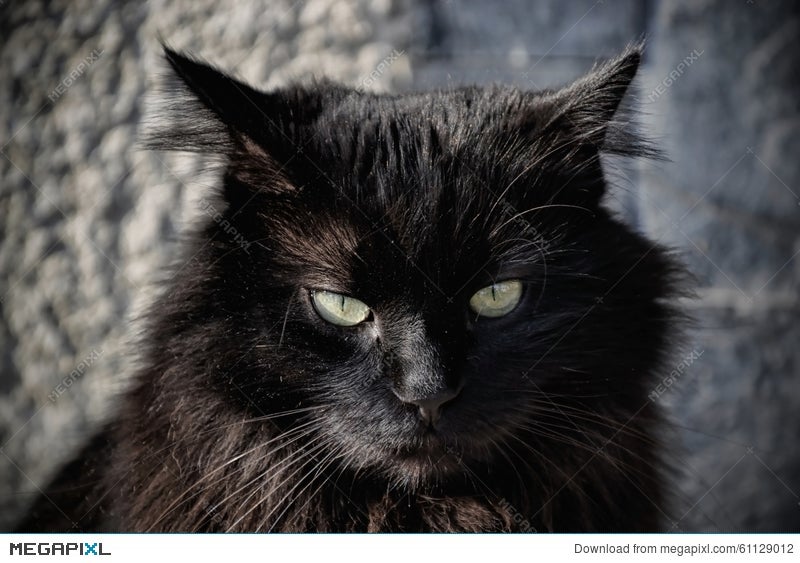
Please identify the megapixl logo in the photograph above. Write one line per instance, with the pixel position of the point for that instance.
(44, 548)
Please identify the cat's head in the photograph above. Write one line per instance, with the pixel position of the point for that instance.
(433, 276)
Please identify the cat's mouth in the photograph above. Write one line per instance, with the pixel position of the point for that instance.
(435, 449)
(430, 454)
(415, 451)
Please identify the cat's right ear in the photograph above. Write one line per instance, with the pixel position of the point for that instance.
(211, 112)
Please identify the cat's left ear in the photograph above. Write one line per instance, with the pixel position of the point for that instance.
(587, 112)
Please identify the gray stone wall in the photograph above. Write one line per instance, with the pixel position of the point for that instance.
(88, 219)
(730, 200)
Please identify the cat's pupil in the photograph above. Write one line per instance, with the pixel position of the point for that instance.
(497, 300)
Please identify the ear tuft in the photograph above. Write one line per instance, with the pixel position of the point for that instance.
(603, 89)
(234, 103)
(592, 112)
(202, 109)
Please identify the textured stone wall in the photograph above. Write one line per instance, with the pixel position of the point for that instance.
(88, 218)
(730, 200)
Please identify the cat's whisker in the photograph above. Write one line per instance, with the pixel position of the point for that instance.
(203, 434)
(295, 458)
(301, 457)
(296, 434)
(602, 449)
(520, 214)
(322, 466)
(532, 166)
(293, 442)
(621, 426)
(497, 443)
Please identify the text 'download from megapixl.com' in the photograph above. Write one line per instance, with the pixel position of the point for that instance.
(688, 549)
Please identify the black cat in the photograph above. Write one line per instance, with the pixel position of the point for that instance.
(407, 313)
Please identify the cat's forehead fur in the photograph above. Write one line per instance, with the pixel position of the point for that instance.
(445, 182)
(437, 148)
(448, 184)
(399, 177)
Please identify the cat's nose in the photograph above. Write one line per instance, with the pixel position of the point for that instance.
(430, 407)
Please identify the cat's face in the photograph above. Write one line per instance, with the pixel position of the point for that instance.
(432, 274)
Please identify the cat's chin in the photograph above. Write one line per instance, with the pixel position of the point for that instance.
(412, 454)
(418, 469)
(431, 461)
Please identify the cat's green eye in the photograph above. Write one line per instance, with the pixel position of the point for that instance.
(496, 300)
(339, 309)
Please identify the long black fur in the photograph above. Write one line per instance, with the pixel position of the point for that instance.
(251, 413)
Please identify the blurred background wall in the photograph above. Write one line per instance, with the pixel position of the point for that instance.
(87, 218)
